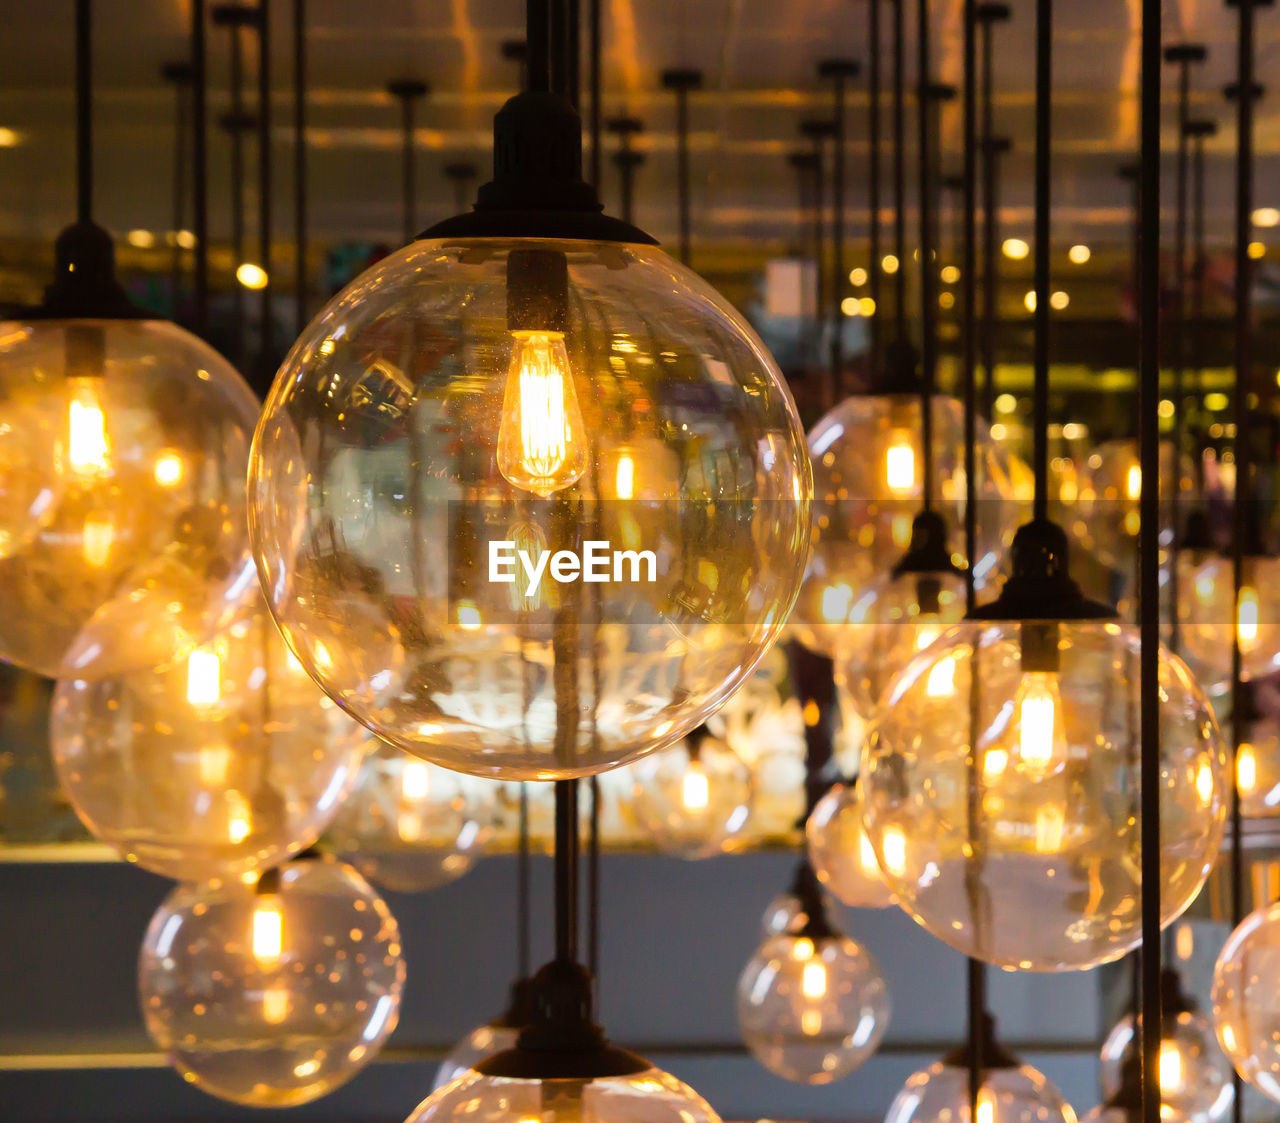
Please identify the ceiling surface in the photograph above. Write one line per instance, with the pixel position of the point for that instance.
(759, 57)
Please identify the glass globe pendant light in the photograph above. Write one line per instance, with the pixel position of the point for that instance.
(1258, 754)
(1018, 810)
(275, 993)
(1009, 1092)
(840, 852)
(1195, 1075)
(124, 442)
(449, 509)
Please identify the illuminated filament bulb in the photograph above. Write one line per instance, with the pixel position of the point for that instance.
(214, 764)
(625, 477)
(1246, 769)
(542, 440)
(415, 780)
(88, 450)
(267, 937)
(1133, 482)
(900, 464)
(1042, 746)
(95, 540)
(942, 679)
(836, 602)
(204, 677)
(1247, 618)
(1171, 1076)
(813, 980)
(986, 1107)
(695, 788)
(275, 1005)
(894, 846)
(928, 629)
(1051, 821)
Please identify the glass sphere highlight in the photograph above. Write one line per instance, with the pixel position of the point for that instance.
(479, 1045)
(940, 1094)
(1195, 1076)
(1206, 612)
(228, 763)
(1026, 857)
(840, 852)
(275, 995)
(1246, 999)
(1258, 767)
(653, 1095)
(868, 473)
(123, 537)
(693, 799)
(812, 1010)
(411, 826)
(529, 554)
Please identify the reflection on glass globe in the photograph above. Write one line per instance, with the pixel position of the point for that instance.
(1205, 612)
(784, 913)
(1246, 999)
(1258, 757)
(123, 448)
(229, 762)
(940, 1094)
(893, 619)
(652, 1095)
(479, 1045)
(1108, 498)
(812, 1008)
(275, 995)
(1026, 857)
(1195, 1077)
(693, 799)
(840, 852)
(868, 473)
(513, 597)
(409, 825)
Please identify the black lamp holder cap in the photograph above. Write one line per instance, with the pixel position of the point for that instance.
(519, 1011)
(1197, 535)
(408, 88)
(839, 68)
(1186, 52)
(561, 1041)
(941, 91)
(927, 552)
(515, 50)
(1201, 126)
(1245, 710)
(682, 78)
(236, 15)
(803, 160)
(992, 1054)
(1231, 91)
(817, 128)
(241, 122)
(993, 13)
(997, 145)
(84, 285)
(179, 72)
(1040, 587)
(537, 189)
(624, 126)
(628, 158)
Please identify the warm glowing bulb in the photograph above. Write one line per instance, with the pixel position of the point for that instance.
(268, 929)
(1041, 743)
(414, 780)
(942, 678)
(894, 845)
(836, 603)
(251, 276)
(900, 464)
(986, 1107)
(1170, 1068)
(813, 980)
(867, 857)
(275, 1005)
(88, 450)
(695, 788)
(408, 826)
(1015, 249)
(1246, 769)
(204, 677)
(214, 764)
(928, 629)
(96, 538)
(1133, 482)
(542, 440)
(1079, 253)
(168, 469)
(1247, 618)
(1051, 821)
(802, 949)
(625, 476)
(994, 762)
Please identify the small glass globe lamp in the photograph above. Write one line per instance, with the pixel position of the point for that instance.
(840, 852)
(1258, 757)
(1246, 999)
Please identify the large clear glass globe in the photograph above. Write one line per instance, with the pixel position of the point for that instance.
(272, 995)
(653, 1096)
(693, 799)
(895, 617)
(227, 763)
(840, 852)
(812, 1010)
(530, 554)
(868, 474)
(1208, 610)
(479, 1045)
(123, 536)
(411, 826)
(1027, 857)
(940, 1094)
(1195, 1075)
(1246, 999)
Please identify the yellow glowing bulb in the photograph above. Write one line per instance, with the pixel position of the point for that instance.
(942, 679)
(275, 1005)
(900, 530)
(836, 603)
(96, 539)
(1041, 743)
(1246, 769)
(239, 826)
(1247, 618)
(1133, 481)
(88, 450)
(168, 469)
(1184, 941)
(214, 764)
(695, 788)
(1051, 821)
(986, 1107)
(1015, 249)
(204, 677)
(900, 464)
(1204, 586)
(414, 780)
(802, 949)
(867, 857)
(1170, 1068)
(811, 1022)
(994, 762)
(267, 937)
(1079, 253)
(895, 850)
(468, 616)
(408, 826)
(813, 980)
(928, 629)
(625, 476)
(252, 276)
(889, 263)
(542, 440)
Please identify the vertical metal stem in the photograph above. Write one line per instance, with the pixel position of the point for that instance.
(537, 64)
(595, 48)
(1043, 169)
(566, 869)
(682, 170)
(408, 187)
(181, 77)
(200, 167)
(265, 342)
(524, 949)
(593, 884)
(300, 164)
(874, 269)
(990, 225)
(236, 168)
(838, 279)
(84, 113)
(899, 169)
(928, 266)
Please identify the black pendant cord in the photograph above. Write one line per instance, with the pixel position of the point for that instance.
(266, 342)
(593, 885)
(1131, 173)
(1199, 131)
(899, 170)
(566, 870)
(300, 247)
(627, 160)
(595, 74)
(235, 18)
(84, 112)
(407, 91)
(841, 72)
(928, 262)
(524, 941)
(1149, 555)
(681, 82)
(818, 131)
(993, 147)
(573, 52)
(536, 64)
(813, 680)
(179, 76)
(1043, 170)
(875, 270)
(200, 168)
